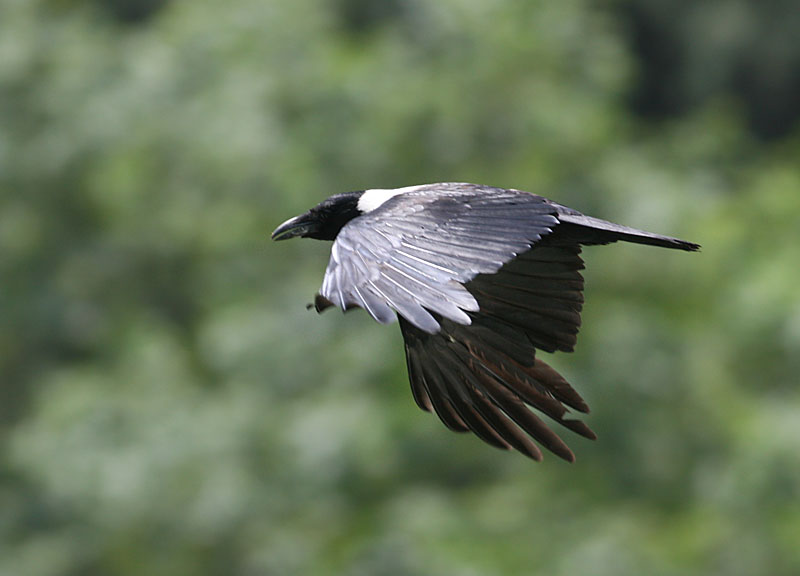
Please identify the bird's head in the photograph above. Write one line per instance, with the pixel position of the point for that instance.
(324, 220)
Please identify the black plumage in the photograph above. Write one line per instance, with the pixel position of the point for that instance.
(481, 278)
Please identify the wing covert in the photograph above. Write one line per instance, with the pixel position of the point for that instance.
(414, 253)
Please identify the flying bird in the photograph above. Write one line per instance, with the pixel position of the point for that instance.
(480, 278)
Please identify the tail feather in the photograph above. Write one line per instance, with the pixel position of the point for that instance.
(588, 230)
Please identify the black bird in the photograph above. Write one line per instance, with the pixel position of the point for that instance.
(480, 278)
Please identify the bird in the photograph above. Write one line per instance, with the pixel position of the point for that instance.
(480, 279)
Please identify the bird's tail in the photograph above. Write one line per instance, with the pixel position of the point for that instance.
(588, 230)
(475, 382)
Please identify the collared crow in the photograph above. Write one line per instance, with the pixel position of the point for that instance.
(480, 278)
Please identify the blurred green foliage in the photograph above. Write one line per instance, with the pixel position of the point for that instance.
(169, 407)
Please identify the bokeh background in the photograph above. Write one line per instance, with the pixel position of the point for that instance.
(169, 407)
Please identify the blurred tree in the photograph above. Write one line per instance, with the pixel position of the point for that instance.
(126, 12)
(690, 53)
(167, 404)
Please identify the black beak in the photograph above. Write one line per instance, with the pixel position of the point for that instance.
(298, 226)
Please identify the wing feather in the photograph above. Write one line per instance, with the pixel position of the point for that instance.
(481, 388)
(488, 371)
(419, 248)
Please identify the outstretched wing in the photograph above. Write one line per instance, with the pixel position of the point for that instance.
(485, 377)
(413, 254)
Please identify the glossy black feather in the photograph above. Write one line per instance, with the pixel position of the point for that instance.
(481, 279)
(490, 392)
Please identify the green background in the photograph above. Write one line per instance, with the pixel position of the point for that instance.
(169, 407)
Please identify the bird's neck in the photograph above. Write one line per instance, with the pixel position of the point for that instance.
(337, 215)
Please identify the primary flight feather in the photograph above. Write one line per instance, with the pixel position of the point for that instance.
(480, 278)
